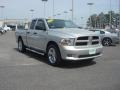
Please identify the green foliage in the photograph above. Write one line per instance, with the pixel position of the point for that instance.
(101, 20)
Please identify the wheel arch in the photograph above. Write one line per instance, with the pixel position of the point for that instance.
(51, 43)
(58, 53)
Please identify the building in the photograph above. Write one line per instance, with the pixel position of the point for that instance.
(13, 22)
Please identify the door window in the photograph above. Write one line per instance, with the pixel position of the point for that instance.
(102, 32)
(40, 25)
(33, 24)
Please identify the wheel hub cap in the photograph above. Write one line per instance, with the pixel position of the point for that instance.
(107, 42)
(52, 55)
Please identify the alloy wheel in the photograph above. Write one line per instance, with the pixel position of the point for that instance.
(52, 55)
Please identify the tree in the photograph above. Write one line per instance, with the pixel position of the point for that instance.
(101, 20)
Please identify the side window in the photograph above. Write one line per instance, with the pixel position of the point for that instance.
(33, 24)
(102, 32)
(40, 25)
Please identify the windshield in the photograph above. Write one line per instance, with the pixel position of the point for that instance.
(57, 23)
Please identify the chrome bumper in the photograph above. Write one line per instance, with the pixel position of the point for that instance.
(80, 53)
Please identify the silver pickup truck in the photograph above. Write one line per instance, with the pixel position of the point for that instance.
(59, 40)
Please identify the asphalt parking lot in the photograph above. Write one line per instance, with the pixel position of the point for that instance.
(30, 71)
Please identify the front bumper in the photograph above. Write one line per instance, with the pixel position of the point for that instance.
(80, 53)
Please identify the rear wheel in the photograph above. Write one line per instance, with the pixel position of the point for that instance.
(21, 46)
(106, 42)
(53, 55)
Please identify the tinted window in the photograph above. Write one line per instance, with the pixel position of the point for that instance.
(102, 32)
(40, 25)
(33, 24)
(57, 23)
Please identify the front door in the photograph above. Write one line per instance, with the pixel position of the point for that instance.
(40, 35)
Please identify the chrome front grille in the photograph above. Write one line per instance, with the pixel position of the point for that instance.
(83, 38)
(95, 40)
(87, 40)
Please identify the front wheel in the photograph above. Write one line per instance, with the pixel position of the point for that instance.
(53, 55)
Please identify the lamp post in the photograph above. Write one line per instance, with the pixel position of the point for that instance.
(119, 15)
(53, 8)
(2, 7)
(32, 10)
(81, 21)
(71, 14)
(65, 12)
(114, 22)
(44, 7)
(54, 16)
(119, 6)
(110, 22)
(59, 14)
(90, 4)
(72, 10)
(95, 22)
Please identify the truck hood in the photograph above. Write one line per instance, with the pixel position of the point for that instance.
(75, 32)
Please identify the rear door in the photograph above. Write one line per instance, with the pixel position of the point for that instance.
(30, 34)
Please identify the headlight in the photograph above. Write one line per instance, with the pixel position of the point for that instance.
(67, 42)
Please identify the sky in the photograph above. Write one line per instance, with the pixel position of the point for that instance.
(19, 9)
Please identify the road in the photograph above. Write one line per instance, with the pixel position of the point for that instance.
(30, 71)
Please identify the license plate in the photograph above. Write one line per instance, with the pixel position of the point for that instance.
(92, 51)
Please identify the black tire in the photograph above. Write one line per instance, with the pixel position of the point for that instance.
(106, 42)
(55, 59)
(21, 46)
